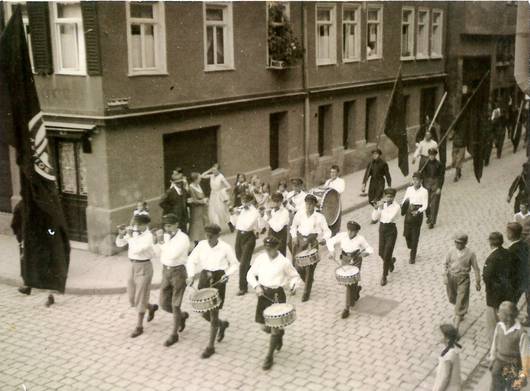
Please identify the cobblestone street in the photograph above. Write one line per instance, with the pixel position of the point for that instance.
(389, 342)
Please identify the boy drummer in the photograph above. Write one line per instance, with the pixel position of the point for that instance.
(354, 248)
(269, 273)
(215, 260)
(308, 230)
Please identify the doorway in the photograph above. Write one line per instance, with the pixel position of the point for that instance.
(371, 120)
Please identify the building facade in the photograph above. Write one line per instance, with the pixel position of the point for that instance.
(132, 90)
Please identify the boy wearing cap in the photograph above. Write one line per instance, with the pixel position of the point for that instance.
(309, 228)
(247, 228)
(141, 251)
(457, 265)
(387, 212)
(354, 248)
(378, 172)
(173, 246)
(413, 205)
(215, 260)
(277, 219)
(269, 274)
(433, 180)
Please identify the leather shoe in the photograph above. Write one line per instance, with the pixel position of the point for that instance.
(431, 225)
(305, 297)
(137, 331)
(173, 338)
(50, 301)
(383, 281)
(25, 290)
(392, 263)
(412, 261)
(207, 352)
(345, 313)
(268, 363)
(185, 316)
(224, 325)
(152, 309)
(241, 293)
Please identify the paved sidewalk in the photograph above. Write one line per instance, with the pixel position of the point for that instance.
(91, 273)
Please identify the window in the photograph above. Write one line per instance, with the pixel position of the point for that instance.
(277, 141)
(146, 38)
(218, 38)
(25, 20)
(348, 125)
(407, 33)
(351, 38)
(423, 34)
(324, 129)
(326, 35)
(437, 33)
(374, 31)
(69, 39)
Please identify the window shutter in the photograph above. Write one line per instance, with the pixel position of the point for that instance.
(39, 22)
(90, 25)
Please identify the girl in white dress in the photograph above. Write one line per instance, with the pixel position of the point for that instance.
(218, 204)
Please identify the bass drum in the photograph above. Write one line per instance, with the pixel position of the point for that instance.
(328, 203)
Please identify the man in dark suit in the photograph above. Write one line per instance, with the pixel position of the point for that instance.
(377, 171)
(519, 251)
(175, 200)
(498, 275)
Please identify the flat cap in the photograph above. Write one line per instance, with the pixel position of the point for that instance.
(433, 151)
(297, 181)
(461, 237)
(353, 225)
(271, 242)
(277, 197)
(213, 229)
(417, 174)
(378, 151)
(142, 219)
(311, 198)
(390, 191)
(170, 218)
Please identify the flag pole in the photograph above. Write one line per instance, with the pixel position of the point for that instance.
(459, 114)
(442, 101)
(519, 115)
(382, 127)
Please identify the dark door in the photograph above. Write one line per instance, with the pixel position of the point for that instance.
(371, 120)
(193, 151)
(427, 103)
(71, 178)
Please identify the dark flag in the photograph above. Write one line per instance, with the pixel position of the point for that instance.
(395, 127)
(516, 134)
(46, 246)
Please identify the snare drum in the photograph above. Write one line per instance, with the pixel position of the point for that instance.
(205, 300)
(347, 274)
(307, 257)
(328, 203)
(279, 315)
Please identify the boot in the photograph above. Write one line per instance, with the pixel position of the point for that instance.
(383, 281)
(345, 313)
(185, 316)
(392, 265)
(50, 301)
(139, 326)
(173, 339)
(208, 352)
(152, 308)
(223, 325)
(25, 290)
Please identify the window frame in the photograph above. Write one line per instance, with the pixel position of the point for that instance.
(369, 7)
(8, 12)
(159, 37)
(425, 55)
(440, 25)
(228, 36)
(357, 9)
(56, 44)
(412, 30)
(287, 16)
(332, 8)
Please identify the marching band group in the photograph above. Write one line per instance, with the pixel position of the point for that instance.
(294, 222)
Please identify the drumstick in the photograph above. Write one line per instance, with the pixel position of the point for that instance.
(268, 298)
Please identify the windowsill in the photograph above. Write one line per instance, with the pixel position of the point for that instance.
(351, 60)
(219, 69)
(408, 58)
(422, 57)
(147, 73)
(325, 64)
(374, 58)
(66, 73)
(436, 57)
(280, 171)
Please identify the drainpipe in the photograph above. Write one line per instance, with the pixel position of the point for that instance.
(305, 85)
(521, 47)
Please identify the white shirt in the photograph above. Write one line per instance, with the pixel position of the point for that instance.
(247, 220)
(519, 217)
(296, 201)
(273, 273)
(338, 184)
(174, 250)
(349, 245)
(278, 219)
(219, 257)
(523, 342)
(141, 247)
(306, 225)
(422, 148)
(387, 213)
(496, 113)
(417, 197)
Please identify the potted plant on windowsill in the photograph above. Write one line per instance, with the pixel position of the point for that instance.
(284, 49)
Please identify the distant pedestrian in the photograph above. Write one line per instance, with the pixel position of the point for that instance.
(498, 276)
(488, 134)
(519, 250)
(175, 199)
(413, 205)
(377, 172)
(422, 149)
(448, 376)
(519, 185)
(433, 179)
(509, 351)
(498, 124)
(457, 265)
(198, 203)
(219, 199)
(523, 214)
(458, 153)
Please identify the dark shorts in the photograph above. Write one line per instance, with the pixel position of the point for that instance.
(208, 278)
(277, 295)
(172, 287)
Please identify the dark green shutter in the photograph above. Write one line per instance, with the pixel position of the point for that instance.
(90, 25)
(39, 22)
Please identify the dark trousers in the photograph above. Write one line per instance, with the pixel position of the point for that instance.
(411, 231)
(282, 237)
(375, 189)
(306, 273)
(434, 201)
(387, 241)
(353, 290)
(500, 134)
(488, 146)
(501, 381)
(245, 244)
